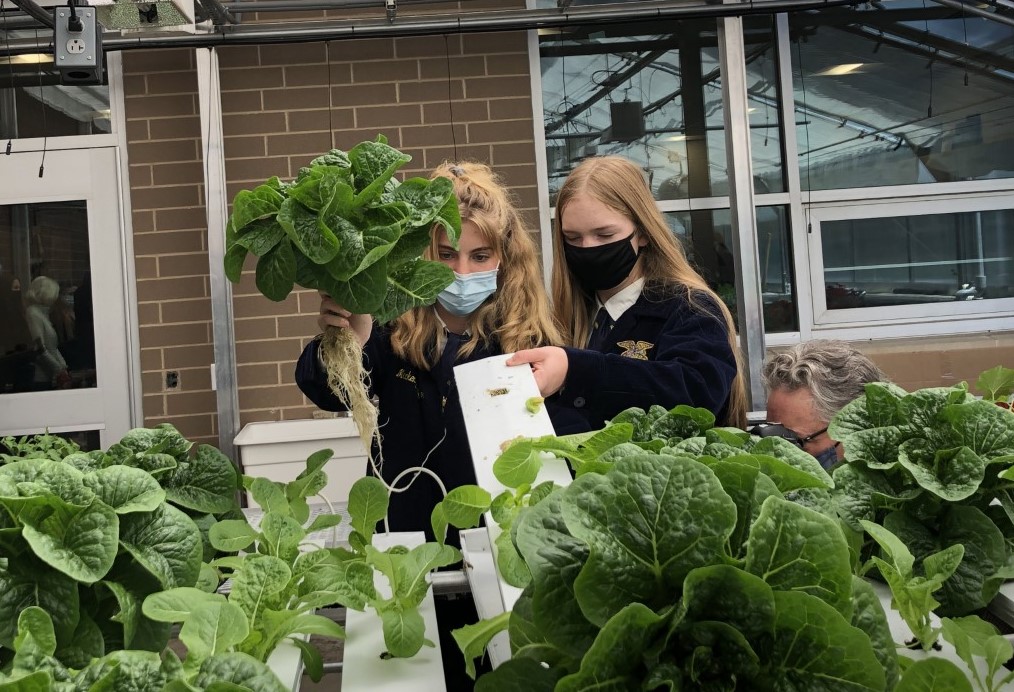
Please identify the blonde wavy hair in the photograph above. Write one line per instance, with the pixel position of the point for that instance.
(518, 315)
(620, 185)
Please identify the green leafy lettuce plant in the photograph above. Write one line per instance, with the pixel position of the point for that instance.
(347, 227)
(662, 570)
(36, 668)
(933, 467)
(87, 546)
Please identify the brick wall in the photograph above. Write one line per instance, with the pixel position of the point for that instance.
(282, 105)
(170, 246)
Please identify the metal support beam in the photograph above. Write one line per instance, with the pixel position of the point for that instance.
(974, 10)
(429, 24)
(749, 304)
(39, 14)
(223, 333)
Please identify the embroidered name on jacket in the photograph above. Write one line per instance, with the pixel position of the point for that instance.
(405, 375)
(637, 350)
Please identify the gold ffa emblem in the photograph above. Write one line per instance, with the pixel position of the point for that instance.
(635, 349)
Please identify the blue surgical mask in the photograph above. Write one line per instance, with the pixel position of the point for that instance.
(829, 457)
(468, 291)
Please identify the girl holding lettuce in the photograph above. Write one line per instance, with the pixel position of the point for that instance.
(642, 326)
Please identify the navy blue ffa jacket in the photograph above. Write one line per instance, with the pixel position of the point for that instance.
(661, 351)
(417, 408)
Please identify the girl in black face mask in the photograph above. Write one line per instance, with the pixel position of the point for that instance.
(642, 326)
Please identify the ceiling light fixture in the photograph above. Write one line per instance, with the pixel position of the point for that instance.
(838, 70)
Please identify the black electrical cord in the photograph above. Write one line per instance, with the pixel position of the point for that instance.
(74, 22)
(10, 65)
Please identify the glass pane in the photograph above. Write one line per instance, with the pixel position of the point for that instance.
(48, 339)
(33, 102)
(906, 260)
(706, 236)
(652, 98)
(900, 93)
(762, 97)
(87, 440)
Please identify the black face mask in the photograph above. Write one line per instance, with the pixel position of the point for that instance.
(601, 267)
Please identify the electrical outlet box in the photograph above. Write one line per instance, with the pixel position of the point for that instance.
(77, 50)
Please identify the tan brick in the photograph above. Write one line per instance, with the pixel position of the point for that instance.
(193, 310)
(241, 101)
(151, 358)
(253, 304)
(257, 170)
(252, 78)
(498, 42)
(152, 405)
(259, 375)
(509, 64)
(430, 90)
(177, 173)
(493, 87)
(307, 121)
(292, 53)
(140, 176)
(308, 302)
(511, 108)
(148, 313)
(348, 138)
(298, 325)
(161, 106)
(135, 84)
(162, 152)
(146, 267)
(259, 416)
(459, 111)
(267, 351)
(470, 152)
(295, 98)
(188, 127)
(189, 403)
(173, 83)
(198, 428)
(361, 49)
(157, 60)
(308, 75)
(193, 217)
(238, 56)
(137, 130)
(152, 382)
(242, 147)
(254, 328)
(500, 131)
(385, 71)
(436, 68)
(364, 95)
(195, 379)
(514, 153)
(166, 196)
(253, 123)
(301, 143)
(192, 356)
(270, 397)
(427, 46)
(160, 289)
(428, 136)
(389, 116)
(164, 335)
(195, 264)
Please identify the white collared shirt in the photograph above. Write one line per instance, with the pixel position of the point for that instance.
(620, 302)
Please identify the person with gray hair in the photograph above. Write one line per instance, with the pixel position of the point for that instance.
(808, 384)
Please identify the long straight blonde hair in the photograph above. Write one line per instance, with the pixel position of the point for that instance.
(518, 314)
(620, 185)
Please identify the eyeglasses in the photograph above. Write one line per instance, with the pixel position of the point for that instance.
(779, 430)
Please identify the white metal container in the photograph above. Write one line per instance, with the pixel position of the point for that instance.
(277, 450)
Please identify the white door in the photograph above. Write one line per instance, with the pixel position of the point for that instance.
(64, 349)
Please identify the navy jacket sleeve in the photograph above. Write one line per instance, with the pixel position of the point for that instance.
(312, 380)
(690, 362)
